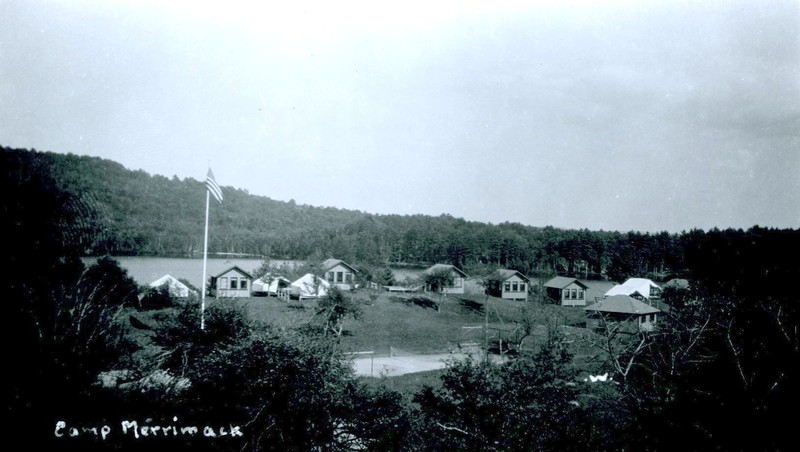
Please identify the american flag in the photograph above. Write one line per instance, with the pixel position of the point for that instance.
(213, 188)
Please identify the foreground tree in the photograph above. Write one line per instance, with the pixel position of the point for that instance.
(719, 365)
(287, 389)
(527, 404)
(61, 321)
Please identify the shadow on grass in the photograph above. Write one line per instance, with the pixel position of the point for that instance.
(471, 305)
(423, 302)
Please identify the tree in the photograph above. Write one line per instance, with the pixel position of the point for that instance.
(438, 280)
(288, 390)
(621, 267)
(527, 404)
(621, 343)
(334, 308)
(387, 277)
(531, 316)
(717, 366)
(62, 324)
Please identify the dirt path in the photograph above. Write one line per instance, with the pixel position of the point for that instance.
(392, 366)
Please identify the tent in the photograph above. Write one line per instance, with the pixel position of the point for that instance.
(177, 289)
(309, 286)
(270, 284)
(644, 287)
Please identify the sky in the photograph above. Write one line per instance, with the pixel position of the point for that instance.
(607, 115)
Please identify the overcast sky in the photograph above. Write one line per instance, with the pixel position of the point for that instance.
(610, 115)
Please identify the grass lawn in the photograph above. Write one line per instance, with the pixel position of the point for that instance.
(393, 323)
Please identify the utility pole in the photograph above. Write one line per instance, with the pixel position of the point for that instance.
(486, 329)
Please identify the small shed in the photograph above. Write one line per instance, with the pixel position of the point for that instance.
(566, 291)
(231, 283)
(622, 308)
(508, 284)
(177, 289)
(339, 273)
(459, 277)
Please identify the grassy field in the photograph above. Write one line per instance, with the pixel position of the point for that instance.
(392, 323)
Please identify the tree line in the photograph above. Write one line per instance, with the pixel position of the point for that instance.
(134, 213)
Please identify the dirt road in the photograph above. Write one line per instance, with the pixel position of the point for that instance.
(391, 366)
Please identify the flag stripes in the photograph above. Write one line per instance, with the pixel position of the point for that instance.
(213, 187)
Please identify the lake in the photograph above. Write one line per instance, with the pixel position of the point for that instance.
(145, 270)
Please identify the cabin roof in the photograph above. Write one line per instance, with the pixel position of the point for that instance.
(234, 268)
(438, 267)
(560, 282)
(504, 274)
(330, 263)
(622, 304)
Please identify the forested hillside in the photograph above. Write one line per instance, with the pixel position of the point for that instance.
(126, 212)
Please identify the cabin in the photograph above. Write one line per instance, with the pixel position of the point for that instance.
(269, 285)
(459, 278)
(339, 273)
(308, 287)
(176, 288)
(632, 313)
(231, 283)
(508, 284)
(638, 288)
(566, 291)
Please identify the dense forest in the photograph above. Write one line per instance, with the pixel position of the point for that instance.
(134, 213)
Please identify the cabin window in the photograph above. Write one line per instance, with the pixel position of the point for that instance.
(234, 283)
(566, 294)
(522, 287)
(243, 283)
(330, 276)
(339, 277)
(515, 286)
(507, 286)
(580, 294)
(348, 277)
(574, 294)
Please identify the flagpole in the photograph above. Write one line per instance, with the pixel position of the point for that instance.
(205, 262)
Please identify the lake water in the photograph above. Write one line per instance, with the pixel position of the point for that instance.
(145, 270)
